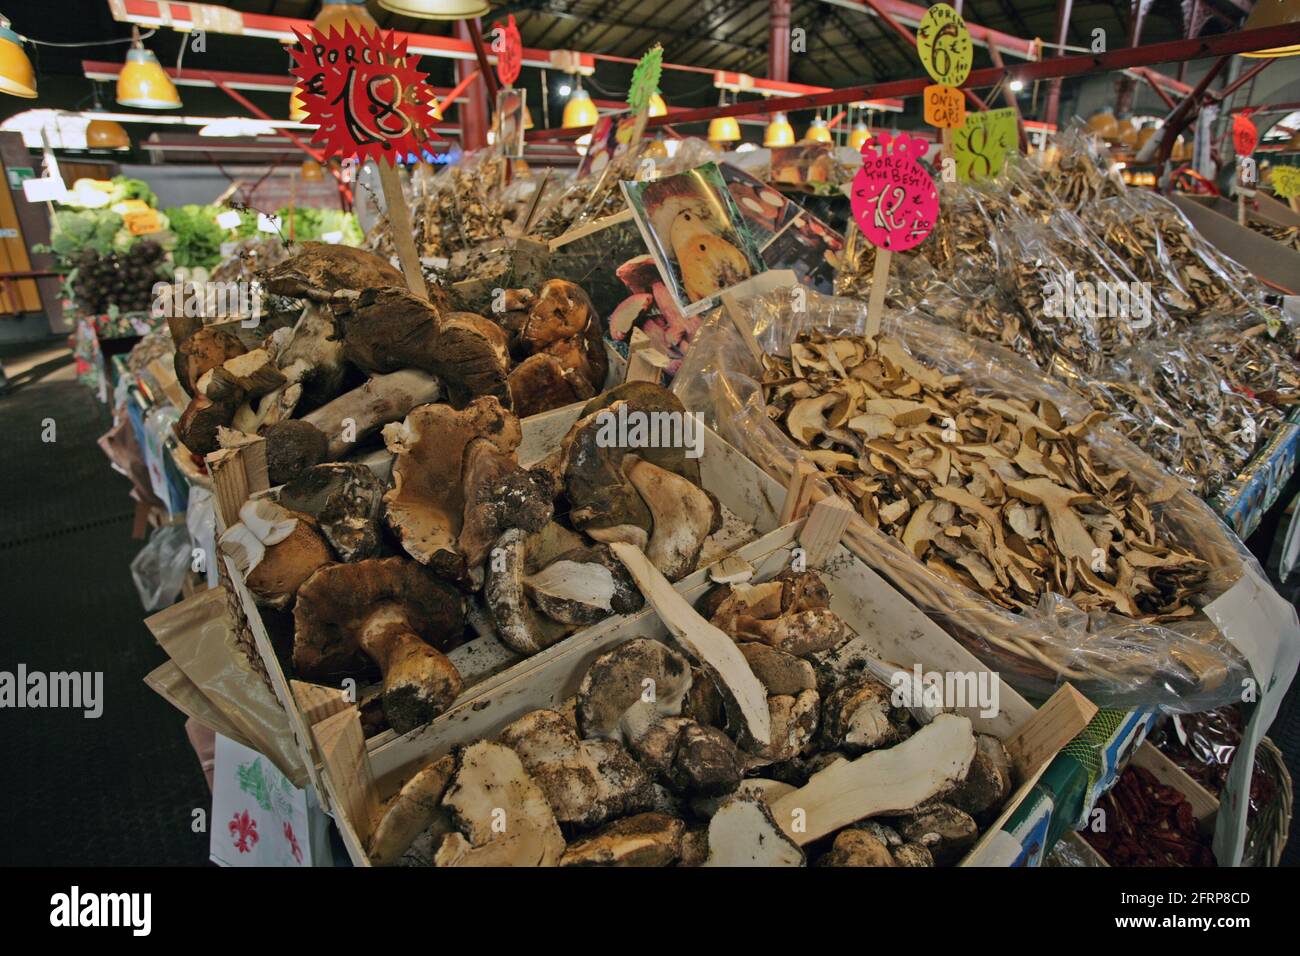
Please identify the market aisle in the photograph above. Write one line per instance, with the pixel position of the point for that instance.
(117, 790)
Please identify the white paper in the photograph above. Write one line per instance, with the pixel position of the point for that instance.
(258, 817)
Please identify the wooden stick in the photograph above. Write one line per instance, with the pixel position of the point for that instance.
(1060, 720)
(399, 224)
(709, 646)
(342, 748)
(879, 286)
(799, 491)
(237, 472)
(821, 533)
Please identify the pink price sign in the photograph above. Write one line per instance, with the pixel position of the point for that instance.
(894, 200)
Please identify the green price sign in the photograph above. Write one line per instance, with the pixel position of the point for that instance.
(981, 146)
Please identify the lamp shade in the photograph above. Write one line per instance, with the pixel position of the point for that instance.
(144, 84)
(1125, 131)
(528, 118)
(437, 9)
(335, 14)
(1273, 13)
(297, 111)
(580, 110)
(818, 132)
(657, 105)
(106, 134)
(859, 136)
(1103, 124)
(16, 75)
(312, 171)
(724, 129)
(1144, 135)
(779, 132)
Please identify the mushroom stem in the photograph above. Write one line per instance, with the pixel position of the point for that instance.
(420, 682)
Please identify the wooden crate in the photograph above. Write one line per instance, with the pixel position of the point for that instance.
(362, 780)
(752, 498)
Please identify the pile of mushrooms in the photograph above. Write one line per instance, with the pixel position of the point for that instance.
(649, 764)
(996, 493)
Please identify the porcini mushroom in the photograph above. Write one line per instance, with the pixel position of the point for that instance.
(397, 614)
(276, 550)
(682, 517)
(646, 839)
(345, 499)
(413, 810)
(744, 833)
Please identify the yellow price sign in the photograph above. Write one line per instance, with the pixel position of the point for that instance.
(945, 45)
(1286, 181)
(945, 106)
(142, 222)
(981, 146)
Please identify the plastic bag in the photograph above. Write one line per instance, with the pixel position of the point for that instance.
(159, 569)
(1117, 661)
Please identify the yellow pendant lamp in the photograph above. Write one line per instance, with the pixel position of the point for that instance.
(106, 134)
(297, 111)
(437, 9)
(724, 129)
(818, 132)
(657, 105)
(858, 136)
(312, 172)
(580, 111)
(528, 118)
(779, 132)
(1103, 124)
(16, 75)
(335, 14)
(144, 84)
(1273, 13)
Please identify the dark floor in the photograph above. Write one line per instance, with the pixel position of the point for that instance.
(118, 789)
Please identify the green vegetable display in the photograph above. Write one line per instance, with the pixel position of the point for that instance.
(198, 237)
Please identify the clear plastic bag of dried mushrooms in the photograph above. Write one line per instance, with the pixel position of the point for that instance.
(1014, 515)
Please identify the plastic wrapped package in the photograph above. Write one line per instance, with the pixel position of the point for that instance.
(1120, 661)
(159, 569)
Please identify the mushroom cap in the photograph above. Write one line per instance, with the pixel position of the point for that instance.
(615, 682)
(335, 602)
(292, 447)
(203, 351)
(541, 382)
(425, 507)
(345, 499)
(288, 563)
(386, 329)
(322, 269)
(646, 839)
(561, 310)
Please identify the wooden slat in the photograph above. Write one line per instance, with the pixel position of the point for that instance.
(342, 749)
(1060, 720)
(800, 490)
(822, 531)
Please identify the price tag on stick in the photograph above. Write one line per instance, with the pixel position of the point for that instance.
(1245, 136)
(509, 49)
(981, 145)
(369, 101)
(895, 205)
(944, 45)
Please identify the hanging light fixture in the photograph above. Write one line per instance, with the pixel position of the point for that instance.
(859, 136)
(143, 83)
(312, 172)
(723, 129)
(104, 133)
(1103, 124)
(297, 109)
(1273, 13)
(580, 110)
(335, 14)
(17, 78)
(779, 132)
(657, 105)
(437, 9)
(818, 131)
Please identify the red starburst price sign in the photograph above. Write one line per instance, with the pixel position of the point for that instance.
(509, 49)
(1245, 135)
(364, 95)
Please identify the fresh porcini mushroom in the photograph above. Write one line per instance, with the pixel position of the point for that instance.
(541, 382)
(912, 854)
(794, 720)
(767, 790)
(499, 495)
(988, 783)
(400, 616)
(942, 829)
(798, 633)
(646, 839)
(881, 782)
(199, 426)
(858, 716)
(705, 762)
(857, 848)
(491, 786)
(583, 586)
(345, 500)
(586, 782)
(201, 352)
(292, 447)
(310, 355)
(275, 550)
(562, 322)
(321, 270)
(384, 330)
(743, 832)
(356, 415)
(620, 678)
(779, 672)
(425, 507)
(415, 808)
(682, 516)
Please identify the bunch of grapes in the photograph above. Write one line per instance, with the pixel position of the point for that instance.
(124, 280)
